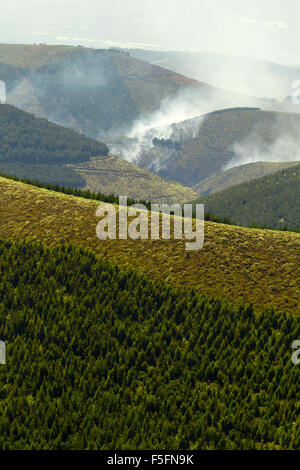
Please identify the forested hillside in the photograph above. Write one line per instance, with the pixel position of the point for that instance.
(239, 174)
(95, 353)
(35, 148)
(27, 139)
(272, 201)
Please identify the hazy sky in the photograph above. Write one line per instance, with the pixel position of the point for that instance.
(265, 29)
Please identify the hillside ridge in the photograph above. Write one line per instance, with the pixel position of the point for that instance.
(265, 263)
(270, 201)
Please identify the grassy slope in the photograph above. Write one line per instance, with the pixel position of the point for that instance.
(113, 175)
(149, 84)
(272, 201)
(30, 56)
(237, 175)
(238, 264)
(207, 153)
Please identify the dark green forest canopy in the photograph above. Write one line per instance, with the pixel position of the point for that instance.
(271, 201)
(43, 174)
(100, 357)
(27, 139)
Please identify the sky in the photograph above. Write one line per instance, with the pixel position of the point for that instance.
(264, 29)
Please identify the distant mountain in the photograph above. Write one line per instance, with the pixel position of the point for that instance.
(241, 74)
(35, 148)
(26, 56)
(272, 201)
(196, 149)
(97, 92)
(237, 175)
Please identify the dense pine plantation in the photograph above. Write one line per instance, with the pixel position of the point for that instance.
(103, 358)
(271, 201)
(29, 140)
(35, 148)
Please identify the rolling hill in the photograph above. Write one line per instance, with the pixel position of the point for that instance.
(97, 92)
(237, 264)
(35, 148)
(113, 175)
(237, 73)
(196, 149)
(24, 56)
(237, 175)
(272, 201)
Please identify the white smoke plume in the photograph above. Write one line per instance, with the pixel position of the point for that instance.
(284, 149)
(165, 123)
(282, 144)
(179, 118)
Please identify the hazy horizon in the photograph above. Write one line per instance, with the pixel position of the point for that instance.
(265, 30)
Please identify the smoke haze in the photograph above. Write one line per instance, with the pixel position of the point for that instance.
(281, 144)
(284, 149)
(178, 118)
(266, 29)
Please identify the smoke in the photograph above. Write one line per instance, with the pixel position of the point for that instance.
(84, 91)
(241, 75)
(81, 90)
(172, 111)
(178, 119)
(280, 143)
(168, 122)
(285, 149)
